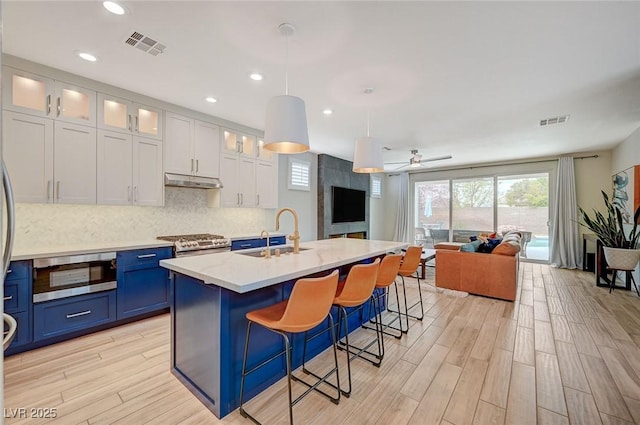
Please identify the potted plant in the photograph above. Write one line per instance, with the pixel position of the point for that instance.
(620, 249)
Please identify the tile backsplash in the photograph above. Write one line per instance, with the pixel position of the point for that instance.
(185, 211)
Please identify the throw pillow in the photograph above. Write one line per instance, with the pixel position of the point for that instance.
(506, 249)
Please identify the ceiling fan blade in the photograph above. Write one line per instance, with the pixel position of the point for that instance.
(393, 163)
(438, 158)
(401, 167)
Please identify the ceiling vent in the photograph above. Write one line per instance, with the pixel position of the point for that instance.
(144, 43)
(554, 120)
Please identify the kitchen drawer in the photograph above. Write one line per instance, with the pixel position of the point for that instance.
(247, 244)
(149, 256)
(71, 314)
(16, 296)
(18, 270)
(277, 240)
(23, 332)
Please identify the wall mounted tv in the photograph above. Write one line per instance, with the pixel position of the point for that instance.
(347, 205)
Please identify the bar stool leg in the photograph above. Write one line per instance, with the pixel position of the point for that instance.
(243, 412)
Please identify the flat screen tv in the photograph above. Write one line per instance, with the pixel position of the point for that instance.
(347, 205)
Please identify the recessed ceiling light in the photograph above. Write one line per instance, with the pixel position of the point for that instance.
(211, 99)
(114, 7)
(87, 56)
(328, 111)
(256, 77)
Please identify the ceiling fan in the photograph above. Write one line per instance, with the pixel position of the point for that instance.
(416, 160)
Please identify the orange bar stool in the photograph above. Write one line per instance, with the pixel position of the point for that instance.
(309, 305)
(408, 267)
(356, 290)
(389, 268)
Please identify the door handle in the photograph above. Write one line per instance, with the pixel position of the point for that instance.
(129, 122)
(192, 165)
(58, 107)
(137, 131)
(196, 165)
(48, 189)
(258, 199)
(48, 104)
(9, 298)
(135, 193)
(147, 256)
(58, 190)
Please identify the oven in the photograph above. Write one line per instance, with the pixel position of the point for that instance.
(61, 277)
(197, 244)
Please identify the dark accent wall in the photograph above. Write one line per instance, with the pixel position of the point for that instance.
(337, 172)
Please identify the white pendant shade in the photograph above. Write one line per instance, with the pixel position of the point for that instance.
(286, 127)
(368, 156)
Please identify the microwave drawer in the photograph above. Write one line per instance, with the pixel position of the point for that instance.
(53, 318)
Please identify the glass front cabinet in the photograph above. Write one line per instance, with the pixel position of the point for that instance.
(40, 96)
(125, 116)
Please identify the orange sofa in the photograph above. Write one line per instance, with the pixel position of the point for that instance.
(493, 275)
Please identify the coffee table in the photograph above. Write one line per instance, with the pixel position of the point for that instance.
(427, 255)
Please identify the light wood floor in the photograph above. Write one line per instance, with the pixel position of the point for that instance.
(566, 352)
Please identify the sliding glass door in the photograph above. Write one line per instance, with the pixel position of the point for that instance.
(472, 207)
(432, 212)
(455, 209)
(523, 204)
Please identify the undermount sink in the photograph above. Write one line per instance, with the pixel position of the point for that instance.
(260, 253)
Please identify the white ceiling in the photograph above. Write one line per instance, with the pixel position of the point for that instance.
(470, 79)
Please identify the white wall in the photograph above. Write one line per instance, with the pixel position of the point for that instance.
(305, 203)
(185, 211)
(377, 206)
(626, 154)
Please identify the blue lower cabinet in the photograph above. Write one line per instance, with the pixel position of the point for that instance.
(23, 332)
(58, 317)
(257, 243)
(143, 286)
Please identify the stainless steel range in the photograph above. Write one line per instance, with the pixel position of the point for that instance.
(198, 244)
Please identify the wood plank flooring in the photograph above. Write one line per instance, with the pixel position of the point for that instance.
(566, 352)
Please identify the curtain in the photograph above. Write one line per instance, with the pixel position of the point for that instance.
(565, 239)
(401, 231)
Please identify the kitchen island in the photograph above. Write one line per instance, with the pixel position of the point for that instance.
(210, 295)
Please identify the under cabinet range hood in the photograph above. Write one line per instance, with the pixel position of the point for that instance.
(199, 182)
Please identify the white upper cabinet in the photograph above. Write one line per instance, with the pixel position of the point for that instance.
(266, 184)
(74, 164)
(126, 116)
(129, 170)
(28, 152)
(192, 147)
(206, 149)
(148, 182)
(40, 96)
(50, 161)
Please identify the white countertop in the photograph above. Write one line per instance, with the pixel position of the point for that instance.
(66, 249)
(242, 273)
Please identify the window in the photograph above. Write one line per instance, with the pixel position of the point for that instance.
(376, 186)
(299, 174)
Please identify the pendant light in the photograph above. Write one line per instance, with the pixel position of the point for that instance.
(286, 124)
(367, 157)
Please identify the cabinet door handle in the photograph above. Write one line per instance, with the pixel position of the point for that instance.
(129, 122)
(241, 199)
(58, 107)
(258, 198)
(48, 104)
(48, 189)
(58, 190)
(9, 271)
(9, 298)
(192, 165)
(245, 245)
(137, 124)
(128, 193)
(135, 193)
(196, 165)
(147, 256)
(82, 313)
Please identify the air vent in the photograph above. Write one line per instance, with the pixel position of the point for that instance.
(144, 43)
(554, 120)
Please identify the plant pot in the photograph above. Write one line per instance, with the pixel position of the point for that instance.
(622, 259)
